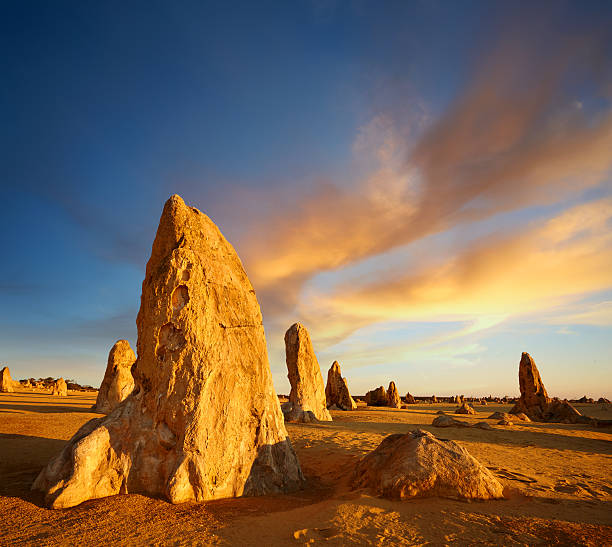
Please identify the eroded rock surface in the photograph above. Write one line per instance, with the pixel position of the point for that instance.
(534, 401)
(393, 398)
(337, 391)
(376, 397)
(419, 465)
(410, 400)
(204, 421)
(307, 389)
(6, 382)
(465, 408)
(118, 381)
(59, 387)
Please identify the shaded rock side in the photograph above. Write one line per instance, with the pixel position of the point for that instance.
(337, 391)
(393, 398)
(204, 421)
(410, 400)
(418, 465)
(59, 387)
(376, 397)
(118, 381)
(6, 382)
(307, 389)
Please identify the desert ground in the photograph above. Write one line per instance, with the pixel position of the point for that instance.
(558, 479)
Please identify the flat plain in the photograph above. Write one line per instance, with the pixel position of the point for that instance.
(558, 479)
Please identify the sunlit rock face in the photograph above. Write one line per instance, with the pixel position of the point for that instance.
(307, 389)
(6, 382)
(59, 387)
(418, 465)
(118, 381)
(204, 420)
(376, 397)
(534, 401)
(393, 398)
(337, 391)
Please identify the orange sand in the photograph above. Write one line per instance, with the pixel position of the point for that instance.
(559, 477)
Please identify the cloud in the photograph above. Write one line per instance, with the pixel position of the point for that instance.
(512, 139)
(599, 314)
(545, 264)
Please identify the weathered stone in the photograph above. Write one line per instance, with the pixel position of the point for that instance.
(448, 421)
(465, 408)
(337, 391)
(499, 416)
(434, 399)
(521, 416)
(505, 421)
(376, 397)
(419, 465)
(410, 400)
(59, 387)
(482, 425)
(603, 400)
(204, 421)
(534, 401)
(6, 382)
(393, 398)
(307, 389)
(118, 381)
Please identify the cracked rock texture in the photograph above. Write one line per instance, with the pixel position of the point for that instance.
(307, 389)
(337, 391)
(418, 465)
(204, 421)
(118, 381)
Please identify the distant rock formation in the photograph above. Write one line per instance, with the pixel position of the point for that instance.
(603, 400)
(465, 408)
(393, 398)
(410, 400)
(418, 465)
(307, 389)
(204, 421)
(337, 391)
(434, 399)
(59, 387)
(118, 381)
(376, 397)
(6, 382)
(534, 400)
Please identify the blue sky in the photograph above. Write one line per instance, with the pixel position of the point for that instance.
(425, 185)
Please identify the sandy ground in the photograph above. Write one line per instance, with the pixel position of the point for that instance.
(559, 479)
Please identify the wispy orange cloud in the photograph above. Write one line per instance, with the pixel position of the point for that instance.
(515, 137)
(541, 266)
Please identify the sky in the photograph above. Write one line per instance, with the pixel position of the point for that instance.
(425, 185)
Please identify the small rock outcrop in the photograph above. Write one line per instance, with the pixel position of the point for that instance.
(444, 420)
(204, 421)
(393, 398)
(410, 400)
(534, 401)
(337, 391)
(434, 399)
(118, 381)
(499, 416)
(307, 389)
(376, 397)
(465, 408)
(6, 382)
(59, 387)
(418, 465)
